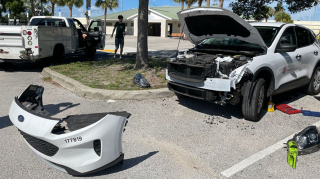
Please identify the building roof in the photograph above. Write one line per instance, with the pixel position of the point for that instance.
(166, 11)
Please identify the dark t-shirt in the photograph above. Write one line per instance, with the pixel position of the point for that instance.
(120, 29)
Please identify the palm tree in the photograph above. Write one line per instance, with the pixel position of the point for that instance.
(182, 3)
(142, 44)
(55, 2)
(88, 4)
(221, 3)
(71, 3)
(106, 4)
(190, 2)
(270, 13)
(200, 3)
(208, 3)
(283, 17)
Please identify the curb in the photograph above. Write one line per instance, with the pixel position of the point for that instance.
(101, 94)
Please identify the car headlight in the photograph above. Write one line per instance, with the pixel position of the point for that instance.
(307, 140)
(29, 43)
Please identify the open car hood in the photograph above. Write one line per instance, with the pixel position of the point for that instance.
(203, 23)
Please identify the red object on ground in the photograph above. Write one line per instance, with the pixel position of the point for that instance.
(287, 109)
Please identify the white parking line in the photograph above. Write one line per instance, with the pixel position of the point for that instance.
(258, 156)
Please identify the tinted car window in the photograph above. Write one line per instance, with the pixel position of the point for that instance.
(48, 22)
(267, 33)
(71, 23)
(95, 24)
(303, 36)
(288, 37)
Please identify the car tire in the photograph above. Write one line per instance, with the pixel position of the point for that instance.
(57, 54)
(313, 88)
(90, 52)
(252, 111)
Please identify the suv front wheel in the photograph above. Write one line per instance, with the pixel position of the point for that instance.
(252, 111)
(313, 88)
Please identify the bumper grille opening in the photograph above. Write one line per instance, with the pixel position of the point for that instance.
(97, 147)
(40, 145)
(186, 72)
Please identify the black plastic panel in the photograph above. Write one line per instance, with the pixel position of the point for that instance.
(40, 145)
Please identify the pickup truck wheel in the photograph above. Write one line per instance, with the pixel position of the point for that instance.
(90, 52)
(314, 85)
(252, 111)
(57, 54)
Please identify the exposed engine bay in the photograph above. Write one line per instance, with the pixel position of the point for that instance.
(197, 66)
(218, 75)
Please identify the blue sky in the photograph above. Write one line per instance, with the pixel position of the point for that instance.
(130, 4)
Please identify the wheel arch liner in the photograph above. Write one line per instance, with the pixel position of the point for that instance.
(76, 150)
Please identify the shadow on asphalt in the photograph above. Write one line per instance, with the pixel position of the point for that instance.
(127, 164)
(5, 122)
(230, 111)
(55, 108)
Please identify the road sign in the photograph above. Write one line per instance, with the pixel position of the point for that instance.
(27, 13)
(59, 12)
(89, 11)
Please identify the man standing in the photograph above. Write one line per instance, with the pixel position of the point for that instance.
(119, 40)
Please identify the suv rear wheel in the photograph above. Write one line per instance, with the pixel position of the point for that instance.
(313, 88)
(252, 111)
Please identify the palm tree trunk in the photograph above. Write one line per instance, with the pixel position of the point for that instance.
(200, 3)
(189, 5)
(88, 4)
(32, 8)
(182, 5)
(221, 3)
(105, 19)
(52, 8)
(70, 8)
(208, 3)
(41, 8)
(142, 39)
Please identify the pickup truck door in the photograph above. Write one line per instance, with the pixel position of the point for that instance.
(96, 25)
(74, 39)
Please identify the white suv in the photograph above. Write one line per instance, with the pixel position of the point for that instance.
(234, 61)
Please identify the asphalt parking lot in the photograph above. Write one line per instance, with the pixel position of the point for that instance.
(168, 137)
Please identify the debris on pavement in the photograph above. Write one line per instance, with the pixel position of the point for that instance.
(140, 81)
(287, 109)
(292, 148)
(310, 113)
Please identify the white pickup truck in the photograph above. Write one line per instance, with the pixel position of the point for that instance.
(48, 36)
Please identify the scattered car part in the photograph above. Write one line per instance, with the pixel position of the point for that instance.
(292, 153)
(287, 109)
(140, 81)
(78, 144)
(310, 113)
(308, 140)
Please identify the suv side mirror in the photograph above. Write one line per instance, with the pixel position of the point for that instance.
(286, 47)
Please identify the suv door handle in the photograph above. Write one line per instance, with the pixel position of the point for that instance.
(315, 52)
(298, 56)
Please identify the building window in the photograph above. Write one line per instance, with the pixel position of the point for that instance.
(108, 23)
(179, 25)
(131, 24)
(126, 24)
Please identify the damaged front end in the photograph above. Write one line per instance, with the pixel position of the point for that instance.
(77, 144)
(211, 77)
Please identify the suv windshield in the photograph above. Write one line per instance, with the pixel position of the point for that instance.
(267, 33)
(229, 43)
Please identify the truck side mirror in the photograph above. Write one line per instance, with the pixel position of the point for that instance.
(286, 47)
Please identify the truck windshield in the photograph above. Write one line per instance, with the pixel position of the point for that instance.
(268, 34)
(48, 22)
